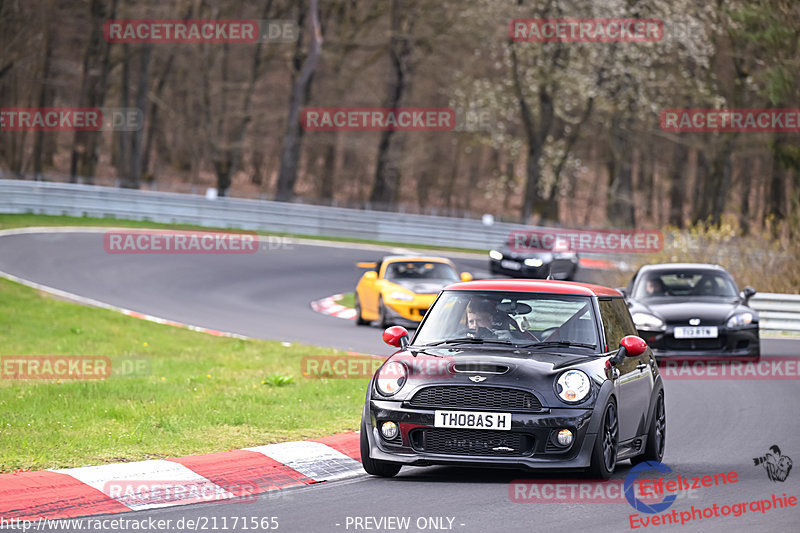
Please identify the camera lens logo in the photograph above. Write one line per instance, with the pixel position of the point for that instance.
(777, 466)
(631, 479)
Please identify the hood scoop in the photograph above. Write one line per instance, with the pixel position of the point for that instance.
(481, 368)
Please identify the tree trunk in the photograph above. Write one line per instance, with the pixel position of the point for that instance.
(327, 185)
(620, 208)
(776, 195)
(749, 167)
(535, 136)
(154, 121)
(700, 179)
(45, 98)
(287, 176)
(387, 169)
(141, 103)
(123, 137)
(93, 91)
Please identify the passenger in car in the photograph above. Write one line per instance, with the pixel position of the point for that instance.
(655, 287)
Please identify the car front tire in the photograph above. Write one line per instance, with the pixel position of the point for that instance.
(383, 318)
(606, 444)
(359, 320)
(373, 466)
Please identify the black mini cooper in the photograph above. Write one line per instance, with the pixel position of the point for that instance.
(520, 374)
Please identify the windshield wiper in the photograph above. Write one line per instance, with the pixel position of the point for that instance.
(470, 340)
(545, 344)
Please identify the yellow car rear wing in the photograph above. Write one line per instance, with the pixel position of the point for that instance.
(372, 264)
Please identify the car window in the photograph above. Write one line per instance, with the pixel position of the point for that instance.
(689, 283)
(409, 270)
(520, 318)
(617, 322)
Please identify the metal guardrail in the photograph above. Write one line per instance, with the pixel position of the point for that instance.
(777, 312)
(18, 196)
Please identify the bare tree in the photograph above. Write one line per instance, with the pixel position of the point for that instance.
(290, 155)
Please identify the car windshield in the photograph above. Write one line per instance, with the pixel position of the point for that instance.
(407, 270)
(519, 319)
(686, 283)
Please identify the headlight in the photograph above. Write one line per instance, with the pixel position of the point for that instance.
(534, 262)
(740, 321)
(397, 295)
(573, 386)
(494, 254)
(645, 321)
(391, 378)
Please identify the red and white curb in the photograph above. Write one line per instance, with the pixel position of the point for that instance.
(603, 264)
(330, 306)
(238, 475)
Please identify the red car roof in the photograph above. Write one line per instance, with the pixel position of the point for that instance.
(535, 285)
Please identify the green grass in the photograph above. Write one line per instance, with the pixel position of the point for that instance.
(348, 299)
(18, 221)
(197, 393)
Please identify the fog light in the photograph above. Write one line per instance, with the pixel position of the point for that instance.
(565, 437)
(389, 430)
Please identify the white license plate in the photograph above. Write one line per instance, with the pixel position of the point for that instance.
(699, 332)
(511, 265)
(473, 420)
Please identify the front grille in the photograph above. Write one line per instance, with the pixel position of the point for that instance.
(671, 343)
(468, 397)
(471, 442)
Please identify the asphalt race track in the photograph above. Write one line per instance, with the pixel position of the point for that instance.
(264, 295)
(714, 426)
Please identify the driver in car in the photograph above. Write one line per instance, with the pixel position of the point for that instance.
(482, 319)
(486, 321)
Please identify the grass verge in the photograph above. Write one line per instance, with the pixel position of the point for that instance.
(194, 393)
(348, 299)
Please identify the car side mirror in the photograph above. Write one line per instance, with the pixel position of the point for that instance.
(747, 293)
(371, 275)
(630, 346)
(466, 276)
(396, 336)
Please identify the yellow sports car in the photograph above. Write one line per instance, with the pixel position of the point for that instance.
(400, 289)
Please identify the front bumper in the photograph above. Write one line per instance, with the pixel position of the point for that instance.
(730, 343)
(422, 444)
(409, 311)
